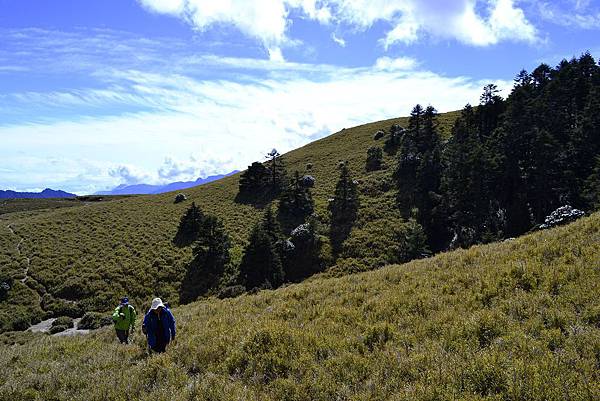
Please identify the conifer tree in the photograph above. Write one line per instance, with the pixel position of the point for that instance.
(261, 264)
(374, 158)
(254, 180)
(592, 187)
(296, 203)
(392, 142)
(343, 208)
(491, 107)
(305, 258)
(418, 173)
(277, 171)
(263, 182)
(211, 256)
(414, 243)
(189, 226)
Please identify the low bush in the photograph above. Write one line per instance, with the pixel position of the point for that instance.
(231, 291)
(93, 321)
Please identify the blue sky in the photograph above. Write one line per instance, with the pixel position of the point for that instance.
(97, 93)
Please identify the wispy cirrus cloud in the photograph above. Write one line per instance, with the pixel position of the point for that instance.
(198, 115)
(573, 13)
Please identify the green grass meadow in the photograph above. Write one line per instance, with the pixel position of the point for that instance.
(516, 320)
(95, 253)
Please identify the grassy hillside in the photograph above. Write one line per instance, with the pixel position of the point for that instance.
(517, 320)
(95, 253)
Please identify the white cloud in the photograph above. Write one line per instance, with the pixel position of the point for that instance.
(473, 22)
(477, 23)
(339, 41)
(207, 127)
(127, 174)
(400, 63)
(578, 14)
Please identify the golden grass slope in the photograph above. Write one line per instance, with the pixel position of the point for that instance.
(517, 320)
(98, 252)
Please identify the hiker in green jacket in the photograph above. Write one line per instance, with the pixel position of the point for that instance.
(124, 318)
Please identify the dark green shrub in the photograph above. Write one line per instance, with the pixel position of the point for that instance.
(63, 321)
(485, 376)
(393, 140)
(61, 307)
(374, 158)
(304, 257)
(231, 291)
(93, 321)
(376, 336)
(57, 329)
(488, 326)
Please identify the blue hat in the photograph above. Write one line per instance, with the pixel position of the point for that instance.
(124, 301)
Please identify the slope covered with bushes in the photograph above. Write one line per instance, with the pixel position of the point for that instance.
(377, 194)
(93, 254)
(513, 320)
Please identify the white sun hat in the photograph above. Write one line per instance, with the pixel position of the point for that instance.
(157, 303)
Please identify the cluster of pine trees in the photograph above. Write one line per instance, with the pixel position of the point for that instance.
(508, 163)
(286, 246)
(211, 246)
(505, 167)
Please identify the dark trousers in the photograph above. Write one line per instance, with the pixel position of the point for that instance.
(123, 336)
(160, 347)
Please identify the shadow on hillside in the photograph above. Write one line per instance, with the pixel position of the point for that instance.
(196, 283)
(181, 239)
(258, 200)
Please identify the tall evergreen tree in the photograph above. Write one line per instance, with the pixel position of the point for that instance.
(189, 226)
(413, 245)
(418, 173)
(393, 140)
(592, 187)
(277, 172)
(262, 263)
(374, 158)
(260, 183)
(211, 256)
(254, 180)
(296, 203)
(305, 258)
(343, 208)
(463, 182)
(491, 107)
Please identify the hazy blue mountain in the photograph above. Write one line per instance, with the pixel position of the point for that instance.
(147, 189)
(45, 194)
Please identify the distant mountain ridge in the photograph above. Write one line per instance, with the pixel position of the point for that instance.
(45, 194)
(147, 189)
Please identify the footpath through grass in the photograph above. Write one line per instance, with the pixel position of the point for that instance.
(517, 320)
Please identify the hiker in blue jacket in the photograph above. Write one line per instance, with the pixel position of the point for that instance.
(159, 326)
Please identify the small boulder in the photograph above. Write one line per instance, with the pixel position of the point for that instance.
(180, 198)
(4, 288)
(378, 135)
(563, 215)
(308, 181)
